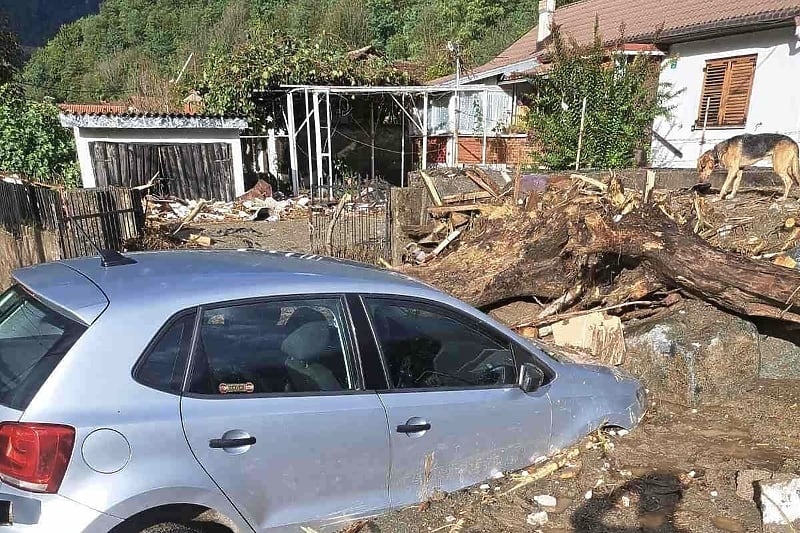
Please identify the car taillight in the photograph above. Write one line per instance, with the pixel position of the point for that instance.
(35, 457)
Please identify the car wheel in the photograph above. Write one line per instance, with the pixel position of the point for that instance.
(170, 527)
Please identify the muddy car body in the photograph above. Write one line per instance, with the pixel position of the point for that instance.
(261, 391)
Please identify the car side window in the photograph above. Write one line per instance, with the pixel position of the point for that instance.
(289, 346)
(165, 363)
(425, 347)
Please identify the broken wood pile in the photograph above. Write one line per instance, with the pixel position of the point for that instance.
(593, 251)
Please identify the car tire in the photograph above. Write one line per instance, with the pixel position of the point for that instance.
(170, 527)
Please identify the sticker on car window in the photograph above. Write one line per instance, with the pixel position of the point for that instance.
(236, 388)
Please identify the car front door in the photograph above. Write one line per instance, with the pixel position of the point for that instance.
(276, 415)
(456, 414)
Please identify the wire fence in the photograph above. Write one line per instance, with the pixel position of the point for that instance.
(360, 234)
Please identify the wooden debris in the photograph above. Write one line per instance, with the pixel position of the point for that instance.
(483, 181)
(444, 244)
(428, 181)
(334, 219)
(458, 219)
(650, 184)
(785, 261)
(466, 197)
(202, 240)
(441, 211)
(596, 333)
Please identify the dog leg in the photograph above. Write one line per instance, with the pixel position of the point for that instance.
(787, 184)
(732, 172)
(736, 183)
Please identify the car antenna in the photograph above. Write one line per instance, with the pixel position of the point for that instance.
(108, 258)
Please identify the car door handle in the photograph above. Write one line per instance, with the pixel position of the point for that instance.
(413, 428)
(231, 443)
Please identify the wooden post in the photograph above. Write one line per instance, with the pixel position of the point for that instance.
(580, 135)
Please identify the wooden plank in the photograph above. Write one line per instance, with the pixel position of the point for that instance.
(428, 181)
(439, 211)
(466, 197)
(482, 183)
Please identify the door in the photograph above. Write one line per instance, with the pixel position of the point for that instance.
(275, 415)
(456, 415)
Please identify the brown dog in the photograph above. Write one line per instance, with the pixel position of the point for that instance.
(744, 150)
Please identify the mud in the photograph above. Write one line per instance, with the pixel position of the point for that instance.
(676, 472)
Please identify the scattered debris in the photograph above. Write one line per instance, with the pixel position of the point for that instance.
(538, 518)
(779, 499)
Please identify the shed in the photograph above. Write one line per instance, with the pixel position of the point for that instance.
(194, 156)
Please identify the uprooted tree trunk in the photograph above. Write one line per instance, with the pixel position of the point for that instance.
(545, 257)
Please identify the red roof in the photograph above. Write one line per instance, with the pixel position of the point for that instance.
(645, 21)
(93, 109)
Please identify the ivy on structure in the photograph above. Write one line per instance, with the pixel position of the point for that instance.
(623, 97)
(266, 61)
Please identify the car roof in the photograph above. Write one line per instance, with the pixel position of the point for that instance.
(185, 278)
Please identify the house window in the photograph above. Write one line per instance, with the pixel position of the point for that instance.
(727, 85)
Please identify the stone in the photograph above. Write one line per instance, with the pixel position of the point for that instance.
(727, 524)
(780, 357)
(746, 480)
(538, 519)
(545, 500)
(700, 356)
(779, 500)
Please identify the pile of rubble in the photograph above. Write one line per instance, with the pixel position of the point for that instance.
(575, 260)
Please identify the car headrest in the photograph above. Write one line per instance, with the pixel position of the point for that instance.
(308, 341)
(303, 315)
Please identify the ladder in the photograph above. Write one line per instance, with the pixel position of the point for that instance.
(324, 147)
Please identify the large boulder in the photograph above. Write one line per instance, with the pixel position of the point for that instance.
(780, 357)
(697, 355)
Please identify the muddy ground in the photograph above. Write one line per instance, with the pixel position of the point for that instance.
(649, 468)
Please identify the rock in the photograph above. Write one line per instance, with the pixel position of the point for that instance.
(727, 524)
(779, 500)
(545, 500)
(700, 356)
(262, 190)
(538, 519)
(746, 480)
(780, 358)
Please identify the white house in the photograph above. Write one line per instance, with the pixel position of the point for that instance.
(735, 64)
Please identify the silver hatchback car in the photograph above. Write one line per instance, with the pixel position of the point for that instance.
(234, 391)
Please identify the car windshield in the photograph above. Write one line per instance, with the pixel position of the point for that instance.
(33, 339)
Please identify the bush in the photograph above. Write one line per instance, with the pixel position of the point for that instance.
(623, 96)
(32, 141)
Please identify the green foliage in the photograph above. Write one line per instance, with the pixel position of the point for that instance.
(107, 55)
(32, 141)
(623, 98)
(268, 60)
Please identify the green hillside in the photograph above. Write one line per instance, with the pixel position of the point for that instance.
(134, 46)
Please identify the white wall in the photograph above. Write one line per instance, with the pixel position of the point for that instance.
(774, 103)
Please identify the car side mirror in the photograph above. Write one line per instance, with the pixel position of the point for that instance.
(531, 377)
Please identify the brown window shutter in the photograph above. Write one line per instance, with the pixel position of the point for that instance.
(727, 86)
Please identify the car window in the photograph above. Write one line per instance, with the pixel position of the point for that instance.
(33, 340)
(165, 363)
(427, 348)
(272, 347)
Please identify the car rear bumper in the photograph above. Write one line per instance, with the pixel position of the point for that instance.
(36, 513)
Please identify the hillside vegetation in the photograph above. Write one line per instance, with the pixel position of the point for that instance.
(132, 47)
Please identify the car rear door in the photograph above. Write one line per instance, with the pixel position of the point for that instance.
(456, 415)
(276, 413)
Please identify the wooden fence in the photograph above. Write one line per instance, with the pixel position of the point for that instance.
(38, 224)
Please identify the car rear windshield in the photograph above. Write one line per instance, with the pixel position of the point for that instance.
(33, 339)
